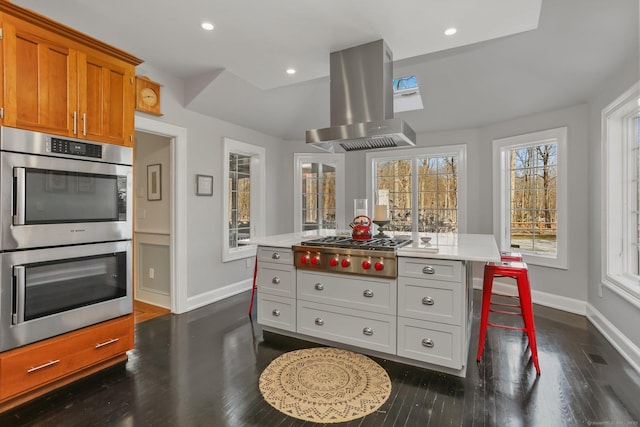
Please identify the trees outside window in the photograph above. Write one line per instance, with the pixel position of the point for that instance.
(531, 195)
(424, 188)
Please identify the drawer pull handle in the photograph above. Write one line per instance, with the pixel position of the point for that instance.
(276, 312)
(275, 255)
(111, 341)
(368, 293)
(367, 331)
(428, 270)
(37, 368)
(275, 280)
(318, 286)
(427, 343)
(319, 321)
(428, 301)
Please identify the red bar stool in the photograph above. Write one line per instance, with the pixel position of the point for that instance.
(511, 256)
(524, 305)
(255, 286)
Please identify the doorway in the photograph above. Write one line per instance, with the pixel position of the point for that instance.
(164, 235)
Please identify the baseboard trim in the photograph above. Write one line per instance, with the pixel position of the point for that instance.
(219, 294)
(542, 298)
(616, 338)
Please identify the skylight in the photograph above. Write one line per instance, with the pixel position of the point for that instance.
(406, 94)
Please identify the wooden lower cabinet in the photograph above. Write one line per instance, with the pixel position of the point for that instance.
(33, 370)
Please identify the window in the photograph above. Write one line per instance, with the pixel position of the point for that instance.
(424, 188)
(406, 94)
(530, 184)
(621, 194)
(243, 198)
(319, 191)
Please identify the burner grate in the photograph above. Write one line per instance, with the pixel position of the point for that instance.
(348, 242)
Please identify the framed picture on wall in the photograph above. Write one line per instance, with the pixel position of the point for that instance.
(154, 182)
(204, 185)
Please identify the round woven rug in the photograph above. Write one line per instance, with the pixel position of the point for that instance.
(325, 385)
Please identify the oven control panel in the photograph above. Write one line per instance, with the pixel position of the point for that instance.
(74, 148)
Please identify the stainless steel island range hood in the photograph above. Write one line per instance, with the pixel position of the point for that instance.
(362, 103)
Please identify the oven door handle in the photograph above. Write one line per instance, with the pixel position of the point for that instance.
(18, 192)
(19, 285)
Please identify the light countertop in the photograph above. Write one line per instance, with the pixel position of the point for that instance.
(468, 247)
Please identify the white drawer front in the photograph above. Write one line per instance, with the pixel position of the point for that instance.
(430, 342)
(432, 269)
(353, 327)
(434, 300)
(278, 312)
(278, 255)
(276, 279)
(362, 293)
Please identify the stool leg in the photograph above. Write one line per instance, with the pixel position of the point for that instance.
(487, 284)
(253, 289)
(524, 290)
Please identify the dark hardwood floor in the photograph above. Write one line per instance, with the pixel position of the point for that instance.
(201, 369)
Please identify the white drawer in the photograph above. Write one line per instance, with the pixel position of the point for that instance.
(276, 311)
(432, 269)
(362, 293)
(434, 300)
(430, 342)
(278, 255)
(353, 327)
(276, 279)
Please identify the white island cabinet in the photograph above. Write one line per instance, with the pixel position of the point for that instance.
(422, 317)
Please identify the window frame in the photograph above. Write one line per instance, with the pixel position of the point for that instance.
(328, 158)
(413, 154)
(257, 198)
(501, 190)
(617, 134)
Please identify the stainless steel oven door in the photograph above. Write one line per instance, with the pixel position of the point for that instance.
(47, 292)
(51, 201)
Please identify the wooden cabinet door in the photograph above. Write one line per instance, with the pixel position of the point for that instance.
(40, 79)
(105, 96)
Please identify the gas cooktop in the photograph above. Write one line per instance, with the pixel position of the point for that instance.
(348, 243)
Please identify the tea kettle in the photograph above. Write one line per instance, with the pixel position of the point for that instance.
(361, 226)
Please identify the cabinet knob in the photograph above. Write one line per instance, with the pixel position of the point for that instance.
(428, 301)
(275, 280)
(428, 270)
(275, 255)
(367, 331)
(276, 312)
(368, 293)
(428, 342)
(319, 321)
(318, 286)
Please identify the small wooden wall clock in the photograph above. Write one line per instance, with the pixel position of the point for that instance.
(147, 96)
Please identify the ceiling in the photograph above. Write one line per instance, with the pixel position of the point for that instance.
(517, 57)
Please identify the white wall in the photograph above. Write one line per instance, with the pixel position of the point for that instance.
(615, 316)
(152, 216)
(209, 278)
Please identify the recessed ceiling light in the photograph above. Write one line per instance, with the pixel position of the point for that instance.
(450, 31)
(291, 70)
(207, 26)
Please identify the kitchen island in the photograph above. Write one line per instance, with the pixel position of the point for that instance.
(420, 316)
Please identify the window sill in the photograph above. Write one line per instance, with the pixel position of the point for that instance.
(544, 261)
(624, 287)
(245, 251)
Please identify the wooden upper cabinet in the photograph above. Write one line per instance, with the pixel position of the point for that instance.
(105, 96)
(40, 80)
(59, 81)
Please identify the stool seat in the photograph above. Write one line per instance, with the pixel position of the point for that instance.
(523, 307)
(511, 256)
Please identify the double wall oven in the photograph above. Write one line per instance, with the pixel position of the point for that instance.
(65, 235)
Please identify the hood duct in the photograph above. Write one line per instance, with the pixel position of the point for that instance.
(362, 103)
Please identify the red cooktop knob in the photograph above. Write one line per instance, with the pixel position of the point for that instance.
(345, 263)
(366, 265)
(304, 259)
(315, 260)
(379, 266)
(333, 262)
